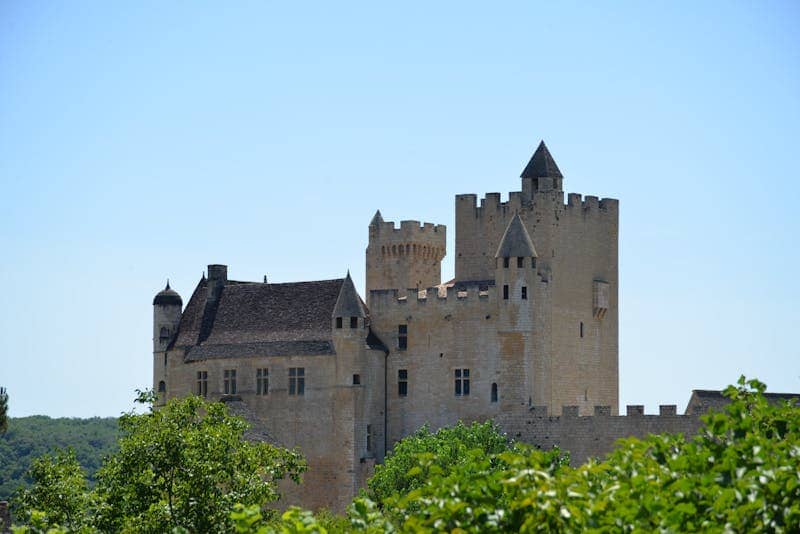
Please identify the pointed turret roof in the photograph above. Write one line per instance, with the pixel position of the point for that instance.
(349, 304)
(376, 219)
(167, 297)
(516, 241)
(541, 165)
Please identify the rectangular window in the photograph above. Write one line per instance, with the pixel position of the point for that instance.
(505, 292)
(581, 328)
(402, 336)
(202, 383)
(402, 382)
(338, 322)
(297, 380)
(353, 322)
(524, 293)
(356, 379)
(533, 263)
(519, 263)
(462, 382)
(505, 262)
(262, 381)
(369, 438)
(229, 382)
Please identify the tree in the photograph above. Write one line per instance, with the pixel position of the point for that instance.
(3, 410)
(59, 493)
(448, 447)
(739, 474)
(185, 465)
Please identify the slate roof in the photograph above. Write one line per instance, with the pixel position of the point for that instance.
(703, 400)
(376, 219)
(256, 319)
(541, 165)
(516, 241)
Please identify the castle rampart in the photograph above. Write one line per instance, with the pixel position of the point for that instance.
(591, 436)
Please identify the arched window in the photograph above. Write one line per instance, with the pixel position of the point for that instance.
(164, 334)
(494, 392)
(162, 387)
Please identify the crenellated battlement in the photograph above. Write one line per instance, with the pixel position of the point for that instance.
(484, 291)
(490, 204)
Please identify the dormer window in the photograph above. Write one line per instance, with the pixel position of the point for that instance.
(505, 263)
(519, 262)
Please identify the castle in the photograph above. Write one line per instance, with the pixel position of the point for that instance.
(525, 334)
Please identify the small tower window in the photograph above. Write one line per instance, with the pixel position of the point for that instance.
(202, 383)
(338, 322)
(164, 334)
(262, 381)
(461, 382)
(494, 392)
(369, 438)
(402, 336)
(297, 380)
(505, 262)
(505, 292)
(581, 328)
(519, 262)
(229, 381)
(524, 293)
(162, 387)
(356, 379)
(353, 322)
(402, 382)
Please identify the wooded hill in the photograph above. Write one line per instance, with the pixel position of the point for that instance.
(30, 437)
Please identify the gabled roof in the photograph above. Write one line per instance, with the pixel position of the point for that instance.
(516, 241)
(255, 318)
(349, 304)
(541, 165)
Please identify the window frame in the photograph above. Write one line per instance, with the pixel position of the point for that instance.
(461, 377)
(229, 381)
(262, 381)
(297, 381)
(202, 384)
(402, 382)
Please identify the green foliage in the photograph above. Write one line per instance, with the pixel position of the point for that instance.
(446, 449)
(740, 474)
(59, 495)
(186, 465)
(3, 410)
(249, 520)
(30, 437)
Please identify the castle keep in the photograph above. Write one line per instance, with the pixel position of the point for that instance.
(528, 325)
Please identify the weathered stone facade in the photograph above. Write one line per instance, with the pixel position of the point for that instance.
(528, 325)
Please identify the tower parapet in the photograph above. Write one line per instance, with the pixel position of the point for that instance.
(409, 256)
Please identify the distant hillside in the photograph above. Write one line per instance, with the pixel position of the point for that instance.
(30, 437)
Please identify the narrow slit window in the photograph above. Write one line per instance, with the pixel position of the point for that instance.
(338, 322)
(581, 328)
(494, 392)
(369, 438)
(524, 293)
(505, 292)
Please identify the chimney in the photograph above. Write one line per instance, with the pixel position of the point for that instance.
(217, 276)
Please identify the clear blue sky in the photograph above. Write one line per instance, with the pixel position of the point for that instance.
(144, 140)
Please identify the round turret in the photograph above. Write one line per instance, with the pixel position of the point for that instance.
(167, 297)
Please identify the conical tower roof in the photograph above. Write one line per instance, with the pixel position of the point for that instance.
(167, 297)
(541, 165)
(376, 219)
(349, 304)
(516, 241)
